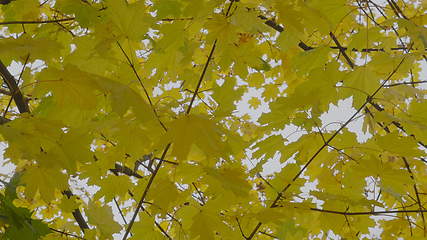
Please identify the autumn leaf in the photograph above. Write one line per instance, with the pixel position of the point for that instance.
(102, 218)
(197, 131)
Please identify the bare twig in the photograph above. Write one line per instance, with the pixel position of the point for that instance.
(147, 188)
(125, 170)
(65, 233)
(206, 66)
(240, 228)
(141, 84)
(366, 213)
(405, 83)
(202, 198)
(342, 50)
(201, 77)
(411, 174)
(120, 211)
(38, 22)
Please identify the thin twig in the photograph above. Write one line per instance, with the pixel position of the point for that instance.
(268, 234)
(411, 174)
(405, 83)
(240, 228)
(125, 170)
(142, 85)
(120, 211)
(408, 219)
(37, 22)
(147, 188)
(206, 66)
(157, 224)
(65, 233)
(201, 77)
(202, 198)
(366, 213)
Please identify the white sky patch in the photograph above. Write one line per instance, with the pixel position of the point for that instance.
(244, 108)
(338, 114)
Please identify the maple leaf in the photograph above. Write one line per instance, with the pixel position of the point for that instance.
(39, 180)
(254, 102)
(102, 217)
(195, 130)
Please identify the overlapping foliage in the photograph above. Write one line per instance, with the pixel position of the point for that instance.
(122, 119)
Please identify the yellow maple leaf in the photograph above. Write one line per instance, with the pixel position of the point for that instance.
(254, 102)
(102, 217)
(195, 130)
(45, 181)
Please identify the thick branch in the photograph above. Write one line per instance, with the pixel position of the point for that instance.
(125, 170)
(4, 120)
(14, 89)
(77, 214)
(342, 50)
(22, 105)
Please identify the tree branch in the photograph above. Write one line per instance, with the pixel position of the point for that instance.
(271, 23)
(397, 124)
(342, 50)
(366, 213)
(416, 193)
(405, 83)
(142, 85)
(38, 22)
(201, 77)
(11, 83)
(77, 214)
(4, 120)
(125, 170)
(66, 234)
(144, 194)
(22, 105)
(240, 228)
(5, 92)
(325, 144)
(202, 198)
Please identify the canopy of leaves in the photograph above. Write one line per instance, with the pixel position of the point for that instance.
(170, 119)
